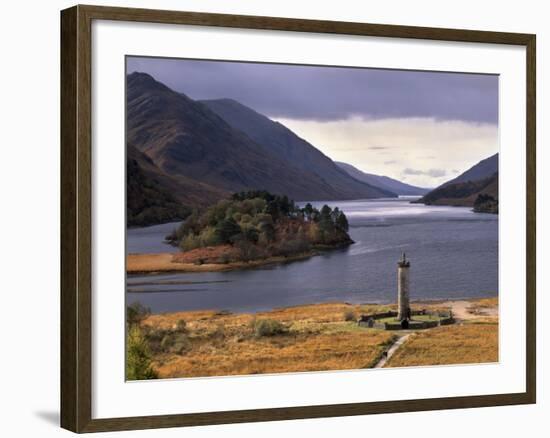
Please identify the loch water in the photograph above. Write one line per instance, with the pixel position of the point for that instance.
(453, 253)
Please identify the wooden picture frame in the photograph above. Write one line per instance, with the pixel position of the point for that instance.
(76, 217)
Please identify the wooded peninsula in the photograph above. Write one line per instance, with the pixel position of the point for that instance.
(258, 225)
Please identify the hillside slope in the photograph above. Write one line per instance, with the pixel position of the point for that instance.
(484, 169)
(476, 187)
(463, 193)
(147, 200)
(383, 182)
(184, 138)
(152, 197)
(288, 146)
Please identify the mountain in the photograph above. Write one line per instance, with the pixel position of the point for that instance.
(153, 197)
(147, 201)
(477, 187)
(383, 182)
(185, 139)
(484, 169)
(298, 153)
(463, 193)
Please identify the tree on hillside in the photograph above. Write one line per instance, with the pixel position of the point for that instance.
(227, 230)
(267, 229)
(326, 223)
(308, 211)
(250, 234)
(340, 219)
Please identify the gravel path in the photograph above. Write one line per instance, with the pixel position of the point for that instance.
(461, 310)
(391, 351)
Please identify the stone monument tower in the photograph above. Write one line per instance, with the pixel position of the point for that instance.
(403, 303)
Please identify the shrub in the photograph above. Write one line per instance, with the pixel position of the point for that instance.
(208, 237)
(218, 332)
(349, 315)
(138, 358)
(181, 345)
(136, 312)
(177, 343)
(291, 247)
(268, 327)
(224, 259)
(166, 342)
(154, 338)
(248, 251)
(181, 325)
(190, 242)
(189, 226)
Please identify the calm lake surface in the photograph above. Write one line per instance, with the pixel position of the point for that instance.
(453, 253)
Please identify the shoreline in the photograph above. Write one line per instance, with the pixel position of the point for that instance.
(459, 303)
(164, 263)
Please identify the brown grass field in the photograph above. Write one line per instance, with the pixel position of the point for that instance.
(470, 342)
(169, 262)
(313, 337)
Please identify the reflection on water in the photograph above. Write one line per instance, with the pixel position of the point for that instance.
(453, 252)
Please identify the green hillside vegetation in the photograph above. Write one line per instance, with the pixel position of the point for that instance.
(147, 201)
(257, 224)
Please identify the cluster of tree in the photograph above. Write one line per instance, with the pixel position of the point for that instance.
(486, 204)
(260, 224)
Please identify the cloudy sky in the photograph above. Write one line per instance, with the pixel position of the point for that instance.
(420, 127)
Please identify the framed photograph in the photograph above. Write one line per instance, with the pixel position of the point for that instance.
(269, 218)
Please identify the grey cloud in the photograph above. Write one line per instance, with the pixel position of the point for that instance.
(437, 173)
(409, 171)
(390, 162)
(330, 93)
(434, 173)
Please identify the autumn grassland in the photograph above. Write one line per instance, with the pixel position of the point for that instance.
(314, 337)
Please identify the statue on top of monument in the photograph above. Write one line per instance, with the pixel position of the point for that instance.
(404, 263)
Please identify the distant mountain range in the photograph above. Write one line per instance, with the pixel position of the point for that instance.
(197, 152)
(384, 182)
(476, 186)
